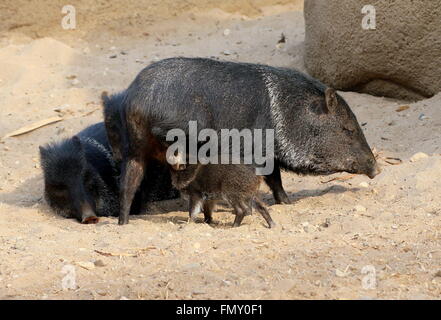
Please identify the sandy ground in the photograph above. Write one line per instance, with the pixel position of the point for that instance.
(326, 241)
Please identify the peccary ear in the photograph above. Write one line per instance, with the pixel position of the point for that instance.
(331, 99)
(105, 97)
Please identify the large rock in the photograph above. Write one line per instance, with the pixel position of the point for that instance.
(400, 59)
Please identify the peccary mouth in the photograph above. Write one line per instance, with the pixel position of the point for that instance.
(376, 170)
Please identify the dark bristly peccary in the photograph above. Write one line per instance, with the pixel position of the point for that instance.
(207, 184)
(315, 130)
(81, 178)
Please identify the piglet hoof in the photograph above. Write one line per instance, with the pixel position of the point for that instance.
(272, 225)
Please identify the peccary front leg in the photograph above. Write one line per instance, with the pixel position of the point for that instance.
(131, 177)
(274, 181)
(208, 210)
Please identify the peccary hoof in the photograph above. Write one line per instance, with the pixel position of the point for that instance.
(282, 199)
(208, 220)
(122, 221)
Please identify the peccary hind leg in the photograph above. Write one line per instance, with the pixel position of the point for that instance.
(264, 212)
(240, 214)
(132, 175)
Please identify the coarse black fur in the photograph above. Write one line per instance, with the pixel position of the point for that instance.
(156, 183)
(81, 179)
(207, 184)
(315, 130)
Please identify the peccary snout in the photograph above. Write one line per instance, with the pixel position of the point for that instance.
(367, 167)
(364, 163)
(88, 215)
(374, 169)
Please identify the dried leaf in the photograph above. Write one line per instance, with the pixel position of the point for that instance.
(33, 127)
(126, 254)
(402, 108)
(393, 161)
(116, 254)
(86, 265)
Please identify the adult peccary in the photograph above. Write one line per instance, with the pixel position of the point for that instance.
(315, 130)
(81, 179)
(207, 184)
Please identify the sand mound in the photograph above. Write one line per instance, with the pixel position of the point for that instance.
(25, 66)
(48, 50)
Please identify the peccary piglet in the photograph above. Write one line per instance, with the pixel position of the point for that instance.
(80, 176)
(81, 179)
(207, 184)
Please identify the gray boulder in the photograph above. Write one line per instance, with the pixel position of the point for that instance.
(401, 58)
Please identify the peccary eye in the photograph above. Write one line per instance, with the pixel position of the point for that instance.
(349, 132)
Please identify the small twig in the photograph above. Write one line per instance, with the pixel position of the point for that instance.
(391, 160)
(344, 178)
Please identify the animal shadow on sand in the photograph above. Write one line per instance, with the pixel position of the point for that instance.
(182, 206)
(29, 194)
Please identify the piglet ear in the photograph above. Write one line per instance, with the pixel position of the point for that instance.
(44, 155)
(43, 151)
(77, 143)
(331, 99)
